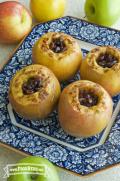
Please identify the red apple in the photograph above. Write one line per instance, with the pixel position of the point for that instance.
(15, 22)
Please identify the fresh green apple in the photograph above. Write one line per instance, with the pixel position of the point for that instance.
(49, 175)
(103, 12)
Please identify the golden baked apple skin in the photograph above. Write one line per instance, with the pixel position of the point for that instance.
(109, 78)
(64, 64)
(39, 104)
(79, 120)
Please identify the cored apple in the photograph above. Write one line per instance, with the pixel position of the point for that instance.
(59, 52)
(102, 65)
(15, 22)
(85, 108)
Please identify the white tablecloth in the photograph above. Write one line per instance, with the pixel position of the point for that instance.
(74, 8)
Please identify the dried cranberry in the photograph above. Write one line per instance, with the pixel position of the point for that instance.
(87, 98)
(58, 45)
(106, 60)
(32, 85)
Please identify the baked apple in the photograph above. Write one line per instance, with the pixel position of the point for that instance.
(34, 92)
(102, 65)
(85, 108)
(59, 52)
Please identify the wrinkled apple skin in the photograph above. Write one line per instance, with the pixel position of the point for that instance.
(51, 170)
(108, 78)
(63, 65)
(103, 12)
(15, 22)
(84, 121)
(41, 107)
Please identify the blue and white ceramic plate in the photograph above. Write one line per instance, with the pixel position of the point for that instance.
(46, 138)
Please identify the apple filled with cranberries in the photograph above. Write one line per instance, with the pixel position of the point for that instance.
(15, 22)
(85, 108)
(102, 65)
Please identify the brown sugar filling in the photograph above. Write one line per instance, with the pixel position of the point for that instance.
(106, 60)
(32, 85)
(87, 98)
(58, 45)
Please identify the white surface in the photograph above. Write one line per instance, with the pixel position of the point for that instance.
(74, 8)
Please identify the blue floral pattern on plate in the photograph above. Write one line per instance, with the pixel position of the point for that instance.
(80, 162)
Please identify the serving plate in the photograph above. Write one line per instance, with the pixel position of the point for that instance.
(46, 138)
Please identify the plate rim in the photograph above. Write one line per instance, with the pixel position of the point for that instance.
(24, 153)
(4, 63)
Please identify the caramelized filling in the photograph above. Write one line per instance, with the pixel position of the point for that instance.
(87, 98)
(32, 85)
(106, 60)
(58, 45)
